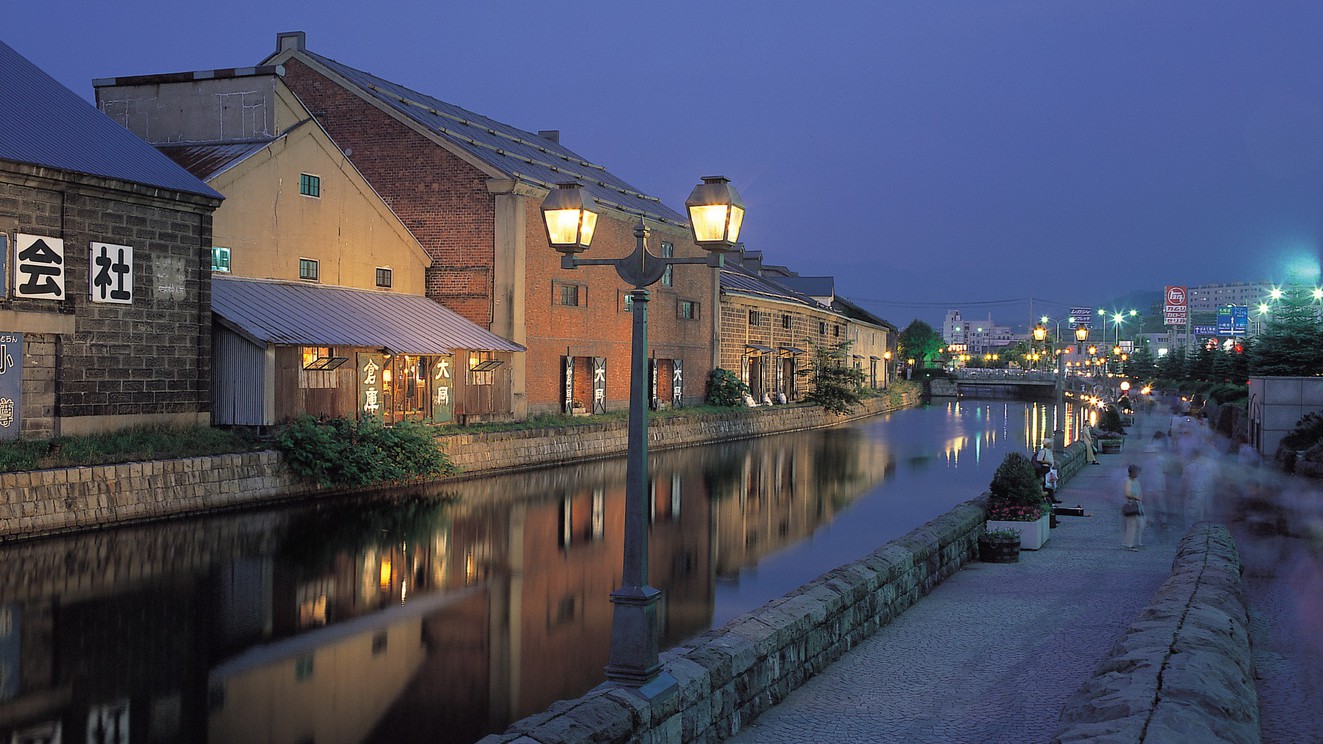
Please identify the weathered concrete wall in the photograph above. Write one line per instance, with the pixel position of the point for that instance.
(729, 675)
(1183, 670)
(62, 500)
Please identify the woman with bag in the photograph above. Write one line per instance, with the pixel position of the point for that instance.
(1132, 536)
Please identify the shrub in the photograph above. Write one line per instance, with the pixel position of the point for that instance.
(1015, 494)
(151, 442)
(837, 387)
(1308, 431)
(344, 452)
(725, 389)
(1110, 421)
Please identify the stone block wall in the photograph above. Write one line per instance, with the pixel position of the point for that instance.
(48, 501)
(727, 676)
(1183, 670)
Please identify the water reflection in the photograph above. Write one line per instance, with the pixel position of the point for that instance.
(445, 613)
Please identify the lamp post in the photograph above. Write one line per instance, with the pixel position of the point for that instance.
(886, 367)
(715, 216)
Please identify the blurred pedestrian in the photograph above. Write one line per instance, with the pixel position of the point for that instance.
(1132, 511)
(1086, 436)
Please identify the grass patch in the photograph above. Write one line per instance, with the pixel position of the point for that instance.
(129, 445)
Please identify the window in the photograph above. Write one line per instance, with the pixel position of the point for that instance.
(822, 327)
(836, 331)
(320, 358)
(667, 251)
(755, 317)
(309, 269)
(566, 294)
(220, 259)
(627, 301)
(687, 310)
(785, 321)
(383, 277)
(481, 365)
(310, 185)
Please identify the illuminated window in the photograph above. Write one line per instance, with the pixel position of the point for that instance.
(481, 368)
(321, 358)
(220, 259)
(310, 185)
(309, 269)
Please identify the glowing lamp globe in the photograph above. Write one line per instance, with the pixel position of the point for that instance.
(570, 216)
(716, 213)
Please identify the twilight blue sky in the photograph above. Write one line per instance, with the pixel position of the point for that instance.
(928, 154)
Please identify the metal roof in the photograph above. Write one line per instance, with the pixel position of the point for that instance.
(208, 161)
(48, 125)
(739, 281)
(299, 313)
(510, 150)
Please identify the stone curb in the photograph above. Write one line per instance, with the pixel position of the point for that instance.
(1183, 670)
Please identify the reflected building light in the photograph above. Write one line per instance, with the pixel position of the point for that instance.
(385, 573)
(675, 496)
(598, 519)
(404, 590)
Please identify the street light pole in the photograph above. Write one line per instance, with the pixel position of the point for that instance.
(715, 216)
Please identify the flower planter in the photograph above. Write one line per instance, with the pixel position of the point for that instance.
(1032, 534)
(998, 549)
(1110, 446)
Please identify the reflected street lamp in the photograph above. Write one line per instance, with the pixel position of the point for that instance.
(716, 214)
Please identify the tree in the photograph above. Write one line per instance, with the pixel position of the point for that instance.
(1292, 345)
(1142, 365)
(920, 342)
(837, 387)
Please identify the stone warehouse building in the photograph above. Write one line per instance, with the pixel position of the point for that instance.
(105, 282)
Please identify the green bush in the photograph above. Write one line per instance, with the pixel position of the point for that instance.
(1308, 431)
(344, 452)
(837, 387)
(1015, 493)
(725, 389)
(1110, 421)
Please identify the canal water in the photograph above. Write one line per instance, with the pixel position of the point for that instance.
(442, 613)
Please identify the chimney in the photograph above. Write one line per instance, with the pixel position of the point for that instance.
(291, 41)
(550, 134)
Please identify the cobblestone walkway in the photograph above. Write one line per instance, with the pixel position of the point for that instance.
(994, 652)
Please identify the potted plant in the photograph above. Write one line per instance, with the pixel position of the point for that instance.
(1111, 432)
(1016, 502)
(999, 546)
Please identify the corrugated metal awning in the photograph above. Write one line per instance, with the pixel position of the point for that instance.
(792, 350)
(763, 348)
(297, 313)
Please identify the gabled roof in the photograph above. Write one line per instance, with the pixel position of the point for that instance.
(853, 310)
(513, 152)
(737, 280)
(298, 313)
(48, 125)
(208, 161)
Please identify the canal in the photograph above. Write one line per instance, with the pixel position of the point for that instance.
(442, 613)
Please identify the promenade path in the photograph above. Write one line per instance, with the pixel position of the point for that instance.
(993, 653)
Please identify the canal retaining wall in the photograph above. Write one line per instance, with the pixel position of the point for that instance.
(68, 499)
(728, 676)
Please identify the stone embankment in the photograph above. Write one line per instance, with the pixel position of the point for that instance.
(1183, 671)
(68, 499)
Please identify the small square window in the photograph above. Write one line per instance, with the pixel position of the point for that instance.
(220, 259)
(687, 310)
(309, 269)
(383, 278)
(310, 185)
(566, 294)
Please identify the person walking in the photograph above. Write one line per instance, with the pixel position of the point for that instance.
(1132, 512)
(1044, 464)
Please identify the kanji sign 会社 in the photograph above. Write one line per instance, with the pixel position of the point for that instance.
(39, 267)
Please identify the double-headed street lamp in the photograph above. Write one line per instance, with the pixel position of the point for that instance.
(716, 214)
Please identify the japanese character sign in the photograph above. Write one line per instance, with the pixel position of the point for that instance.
(11, 385)
(443, 403)
(110, 273)
(369, 385)
(677, 383)
(39, 267)
(599, 384)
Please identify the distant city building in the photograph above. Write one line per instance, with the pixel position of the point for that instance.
(1207, 298)
(975, 336)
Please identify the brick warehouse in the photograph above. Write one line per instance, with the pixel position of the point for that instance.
(469, 188)
(104, 269)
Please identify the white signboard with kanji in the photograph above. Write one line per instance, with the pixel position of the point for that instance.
(39, 267)
(110, 273)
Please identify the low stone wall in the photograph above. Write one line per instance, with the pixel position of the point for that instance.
(729, 675)
(1183, 670)
(49, 501)
(61, 500)
(488, 452)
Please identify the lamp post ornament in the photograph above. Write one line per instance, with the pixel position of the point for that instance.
(716, 215)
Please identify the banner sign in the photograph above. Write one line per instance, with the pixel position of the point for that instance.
(1175, 311)
(11, 385)
(1080, 315)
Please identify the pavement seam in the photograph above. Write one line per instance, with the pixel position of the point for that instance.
(1176, 632)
